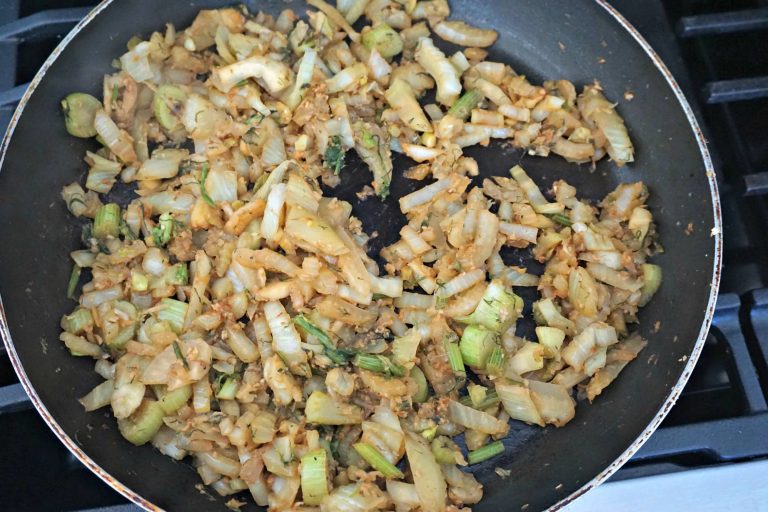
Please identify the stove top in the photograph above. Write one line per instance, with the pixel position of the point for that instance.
(712, 48)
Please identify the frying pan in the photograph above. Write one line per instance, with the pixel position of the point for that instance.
(583, 41)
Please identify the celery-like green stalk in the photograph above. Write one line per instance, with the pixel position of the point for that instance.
(454, 358)
(446, 451)
(378, 364)
(561, 219)
(372, 456)
(385, 39)
(422, 390)
(486, 452)
(172, 401)
(79, 111)
(464, 105)
(107, 221)
(314, 476)
(173, 311)
(167, 105)
(495, 363)
(476, 345)
(78, 321)
(476, 394)
(339, 357)
(143, 424)
(497, 310)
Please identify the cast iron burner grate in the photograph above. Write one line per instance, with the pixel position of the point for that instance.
(721, 417)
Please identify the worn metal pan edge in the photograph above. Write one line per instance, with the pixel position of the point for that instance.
(717, 234)
(672, 397)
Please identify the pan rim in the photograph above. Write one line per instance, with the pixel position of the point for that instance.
(717, 234)
(5, 332)
(670, 400)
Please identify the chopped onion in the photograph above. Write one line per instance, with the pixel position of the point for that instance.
(462, 282)
(420, 153)
(614, 278)
(163, 165)
(517, 402)
(303, 78)
(519, 232)
(598, 110)
(136, 62)
(95, 298)
(427, 477)
(428, 193)
(99, 397)
(475, 420)
(441, 69)
(401, 97)
(273, 75)
(117, 140)
(126, 398)
(460, 33)
(346, 78)
(378, 66)
(553, 402)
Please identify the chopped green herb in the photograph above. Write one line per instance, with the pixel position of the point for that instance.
(178, 275)
(126, 231)
(74, 278)
(203, 192)
(334, 155)
(163, 232)
(370, 140)
(260, 181)
(491, 399)
(378, 364)
(179, 355)
(464, 105)
(227, 387)
(561, 219)
(87, 234)
(486, 452)
(336, 355)
(255, 119)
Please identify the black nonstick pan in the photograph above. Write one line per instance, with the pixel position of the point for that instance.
(581, 40)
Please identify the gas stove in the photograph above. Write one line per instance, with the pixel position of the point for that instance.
(717, 432)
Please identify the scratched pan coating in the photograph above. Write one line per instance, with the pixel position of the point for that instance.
(546, 39)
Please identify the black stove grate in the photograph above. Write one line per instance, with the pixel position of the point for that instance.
(722, 415)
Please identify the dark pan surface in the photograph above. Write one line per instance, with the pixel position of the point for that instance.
(543, 39)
